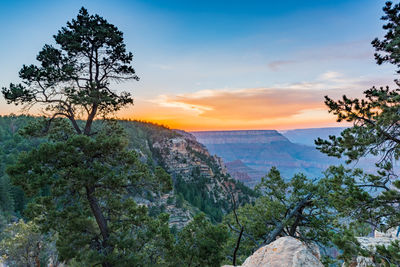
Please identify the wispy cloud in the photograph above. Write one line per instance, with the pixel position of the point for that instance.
(245, 104)
(278, 106)
(277, 101)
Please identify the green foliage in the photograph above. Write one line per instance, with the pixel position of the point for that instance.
(388, 256)
(12, 198)
(179, 201)
(361, 197)
(150, 243)
(375, 118)
(71, 180)
(74, 76)
(6, 197)
(297, 207)
(170, 200)
(196, 193)
(387, 50)
(3, 222)
(164, 179)
(200, 243)
(348, 244)
(81, 181)
(22, 245)
(366, 198)
(374, 130)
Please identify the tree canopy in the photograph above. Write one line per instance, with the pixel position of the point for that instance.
(297, 207)
(371, 198)
(375, 131)
(74, 78)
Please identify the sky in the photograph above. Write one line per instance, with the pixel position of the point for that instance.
(216, 64)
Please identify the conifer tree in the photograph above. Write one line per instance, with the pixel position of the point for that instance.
(372, 198)
(375, 131)
(81, 180)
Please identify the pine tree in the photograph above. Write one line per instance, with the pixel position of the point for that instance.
(364, 197)
(81, 180)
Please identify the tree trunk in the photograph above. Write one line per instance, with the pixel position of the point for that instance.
(75, 125)
(37, 260)
(280, 226)
(293, 228)
(237, 246)
(101, 222)
(92, 115)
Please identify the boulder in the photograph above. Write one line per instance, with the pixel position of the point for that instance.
(285, 252)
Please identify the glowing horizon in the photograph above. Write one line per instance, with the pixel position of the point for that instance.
(217, 65)
(279, 107)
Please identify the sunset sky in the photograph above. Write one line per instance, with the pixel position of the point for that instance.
(219, 65)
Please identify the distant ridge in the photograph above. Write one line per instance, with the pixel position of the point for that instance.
(239, 136)
(236, 131)
(259, 150)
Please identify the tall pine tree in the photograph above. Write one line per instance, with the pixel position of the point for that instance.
(81, 180)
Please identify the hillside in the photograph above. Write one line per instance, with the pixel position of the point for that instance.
(199, 178)
(201, 182)
(260, 150)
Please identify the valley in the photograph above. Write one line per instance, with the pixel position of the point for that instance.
(250, 154)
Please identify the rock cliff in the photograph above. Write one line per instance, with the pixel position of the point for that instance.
(236, 137)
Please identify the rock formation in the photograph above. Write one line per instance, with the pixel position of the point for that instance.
(243, 137)
(241, 172)
(285, 252)
(188, 162)
(370, 243)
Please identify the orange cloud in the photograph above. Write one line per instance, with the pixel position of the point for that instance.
(191, 120)
(247, 104)
(286, 106)
(260, 108)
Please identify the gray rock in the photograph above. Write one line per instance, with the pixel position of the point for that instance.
(285, 252)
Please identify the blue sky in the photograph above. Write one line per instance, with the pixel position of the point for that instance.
(191, 55)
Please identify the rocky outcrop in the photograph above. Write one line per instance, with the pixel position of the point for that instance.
(183, 156)
(191, 166)
(179, 217)
(369, 244)
(285, 252)
(360, 261)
